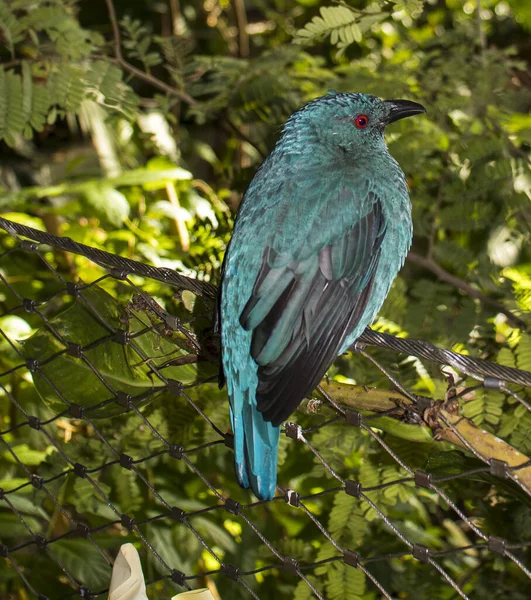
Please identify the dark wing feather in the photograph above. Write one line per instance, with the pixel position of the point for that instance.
(300, 312)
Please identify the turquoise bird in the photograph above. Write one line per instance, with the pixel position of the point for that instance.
(321, 233)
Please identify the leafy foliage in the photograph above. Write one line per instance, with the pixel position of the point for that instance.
(339, 22)
(138, 40)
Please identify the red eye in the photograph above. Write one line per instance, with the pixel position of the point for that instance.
(361, 121)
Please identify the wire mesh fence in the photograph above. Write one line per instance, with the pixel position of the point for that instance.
(110, 409)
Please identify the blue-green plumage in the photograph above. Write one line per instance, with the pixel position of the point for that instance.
(323, 229)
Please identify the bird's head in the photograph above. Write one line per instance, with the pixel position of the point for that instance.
(347, 123)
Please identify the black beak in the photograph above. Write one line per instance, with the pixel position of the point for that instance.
(400, 109)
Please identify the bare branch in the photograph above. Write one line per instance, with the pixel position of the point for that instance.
(115, 29)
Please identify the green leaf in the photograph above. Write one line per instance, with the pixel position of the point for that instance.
(487, 407)
(343, 24)
(347, 522)
(523, 353)
(107, 203)
(26, 455)
(27, 506)
(84, 562)
(89, 323)
(344, 581)
(12, 527)
(85, 323)
(15, 482)
(11, 27)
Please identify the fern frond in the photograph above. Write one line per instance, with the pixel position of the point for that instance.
(177, 53)
(344, 581)
(128, 490)
(486, 408)
(506, 358)
(39, 108)
(104, 84)
(410, 6)
(26, 105)
(343, 24)
(347, 517)
(15, 113)
(521, 278)
(138, 40)
(326, 551)
(4, 128)
(338, 22)
(66, 85)
(523, 353)
(466, 216)
(269, 88)
(11, 28)
(521, 435)
(23, 104)
(63, 29)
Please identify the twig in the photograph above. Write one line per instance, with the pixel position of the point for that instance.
(443, 275)
(115, 29)
(243, 51)
(157, 83)
(120, 60)
(243, 36)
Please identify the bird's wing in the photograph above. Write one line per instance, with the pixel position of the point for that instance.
(308, 297)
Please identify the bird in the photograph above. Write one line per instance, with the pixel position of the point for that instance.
(320, 234)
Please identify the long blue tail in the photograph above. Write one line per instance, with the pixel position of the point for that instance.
(255, 446)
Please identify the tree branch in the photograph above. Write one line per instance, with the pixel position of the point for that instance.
(138, 73)
(440, 422)
(389, 410)
(448, 425)
(115, 29)
(443, 275)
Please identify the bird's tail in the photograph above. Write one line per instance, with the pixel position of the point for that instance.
(255, 446)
